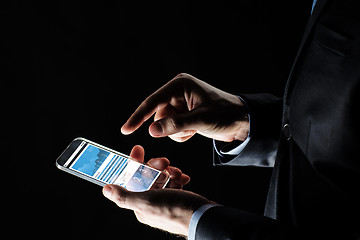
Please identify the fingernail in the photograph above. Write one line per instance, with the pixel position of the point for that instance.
(107, 191)
(156, 129)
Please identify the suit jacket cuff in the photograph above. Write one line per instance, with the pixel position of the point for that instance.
(265, 112)
(230, 223)
(196, 217)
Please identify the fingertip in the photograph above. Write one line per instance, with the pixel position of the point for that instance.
(138, 153)
(125, 130)
(159, 163)
(107, 191)
(184, 179)
(139, 147)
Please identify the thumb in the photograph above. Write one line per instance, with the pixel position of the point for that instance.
(192, 120)
(122, 197)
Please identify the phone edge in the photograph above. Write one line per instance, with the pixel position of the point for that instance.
(92, 180)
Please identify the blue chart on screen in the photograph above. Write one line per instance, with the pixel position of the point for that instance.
(90, 161)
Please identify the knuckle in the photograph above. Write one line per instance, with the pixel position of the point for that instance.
(181, 75)
(177, 139)
(176, 124)
(139, 217)
(183, 78)
(120, 200)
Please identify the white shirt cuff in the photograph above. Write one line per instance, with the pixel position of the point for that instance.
(238, 149)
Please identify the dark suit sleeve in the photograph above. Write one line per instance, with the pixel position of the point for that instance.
(229, 223)
(265, 122)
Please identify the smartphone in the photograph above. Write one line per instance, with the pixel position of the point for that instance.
(102, 166)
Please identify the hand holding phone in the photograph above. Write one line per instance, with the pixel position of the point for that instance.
(102, 166)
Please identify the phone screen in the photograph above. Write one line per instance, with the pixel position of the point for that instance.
(111, 168)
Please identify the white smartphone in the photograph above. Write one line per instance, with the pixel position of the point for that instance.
(102, 166)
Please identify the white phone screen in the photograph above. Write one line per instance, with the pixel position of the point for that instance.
(111, 168)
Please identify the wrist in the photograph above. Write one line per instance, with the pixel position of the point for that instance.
(244, 130)
(243, 121)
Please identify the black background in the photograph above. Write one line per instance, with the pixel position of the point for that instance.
(81, 68)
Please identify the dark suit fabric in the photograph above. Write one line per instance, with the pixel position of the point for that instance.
(315, 188)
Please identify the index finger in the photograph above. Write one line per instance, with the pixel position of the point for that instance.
(148, 107)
